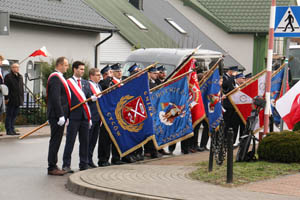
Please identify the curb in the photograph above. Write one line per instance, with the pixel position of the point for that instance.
(77, 186)
(10, 137)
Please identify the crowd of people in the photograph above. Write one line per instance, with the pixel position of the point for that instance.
(85, 121)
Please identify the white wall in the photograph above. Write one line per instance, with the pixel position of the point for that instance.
(24, 39)
(239, 46)
(114, 50)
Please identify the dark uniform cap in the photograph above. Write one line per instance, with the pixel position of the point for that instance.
(115, 66)
(161, 68)
(240, 75)
(133, 67)
(105, 69)
(234, 68)
(248, 75)
(153, 69)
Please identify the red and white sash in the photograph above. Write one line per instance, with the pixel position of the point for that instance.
(94, 89)
(116, 81)
(65, 84)
(80, 96)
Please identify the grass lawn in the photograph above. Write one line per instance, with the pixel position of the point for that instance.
(243, 172)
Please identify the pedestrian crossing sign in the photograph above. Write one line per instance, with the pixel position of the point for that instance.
(286, 21)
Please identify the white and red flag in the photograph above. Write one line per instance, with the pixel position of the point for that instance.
(288, 106)
(40, 52)
(242, 99)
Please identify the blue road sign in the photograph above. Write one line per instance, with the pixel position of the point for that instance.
(287, 21)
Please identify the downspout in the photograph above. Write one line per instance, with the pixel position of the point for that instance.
(97, 45)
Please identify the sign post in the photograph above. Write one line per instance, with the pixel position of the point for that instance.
(287, 22)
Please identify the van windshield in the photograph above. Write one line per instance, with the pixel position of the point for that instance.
(294, 64)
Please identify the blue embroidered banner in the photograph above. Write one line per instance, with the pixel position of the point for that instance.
(126, 114)
(211, 95)
(171, 113)
(276, 85)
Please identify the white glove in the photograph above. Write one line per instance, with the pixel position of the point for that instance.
(94, 98)
(90, 124)
(61, 121)
(67, 122)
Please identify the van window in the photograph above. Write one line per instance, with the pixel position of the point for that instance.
(294, 64)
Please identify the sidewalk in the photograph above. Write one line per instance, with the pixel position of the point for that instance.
(43, 132)
(167, 178)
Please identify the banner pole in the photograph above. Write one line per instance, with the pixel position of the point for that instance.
(269, 66)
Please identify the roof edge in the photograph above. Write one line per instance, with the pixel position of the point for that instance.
(29, 20)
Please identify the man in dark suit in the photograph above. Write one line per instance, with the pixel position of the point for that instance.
(95, 88)
(114, 76)
(14, 99)
(80, 118)
(104, 142)
(228, 85)
(58, 109)
(162, 74)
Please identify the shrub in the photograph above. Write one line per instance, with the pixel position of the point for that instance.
(280, 147)
(47, 69)
(297, 127)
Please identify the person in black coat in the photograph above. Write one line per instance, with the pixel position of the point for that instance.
(229, 83)
(15, 98)
(58, 110)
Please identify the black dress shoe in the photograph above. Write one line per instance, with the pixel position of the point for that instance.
(15, 132)
(139, 157)
(92, 165)
(128, 159)
(163, 152)
(184, 151)
(67, 170)
(103, 164)
(117, 162)
(10, 133)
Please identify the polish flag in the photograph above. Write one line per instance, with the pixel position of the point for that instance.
(288, 106)
(41, 52)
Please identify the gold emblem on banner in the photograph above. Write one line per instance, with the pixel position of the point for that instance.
(130, 122)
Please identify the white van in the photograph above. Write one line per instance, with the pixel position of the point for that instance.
(169, 58)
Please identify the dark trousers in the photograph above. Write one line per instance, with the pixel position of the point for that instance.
(54, 143)
(93, 137)
(11, 115)
(204, 137)
(185, 145)
(81, 127)
(194, 139)
(237, 126)
(150, 148)
(105, 146)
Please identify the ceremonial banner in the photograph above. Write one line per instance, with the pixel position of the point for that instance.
(211, 95)
(197, 107)
(171, 114)
(276, 92)
(288, 106)
(242, 99)
(126, 114)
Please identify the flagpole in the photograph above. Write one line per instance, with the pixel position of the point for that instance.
(172, 80)
(285, 74)
(101, 93)
(211, 70)
(23, 60)
(184, 62)
(269, 66)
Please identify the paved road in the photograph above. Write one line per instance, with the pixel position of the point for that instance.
(23, 172)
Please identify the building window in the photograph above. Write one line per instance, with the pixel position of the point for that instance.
(136, 22)
(176, 26)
